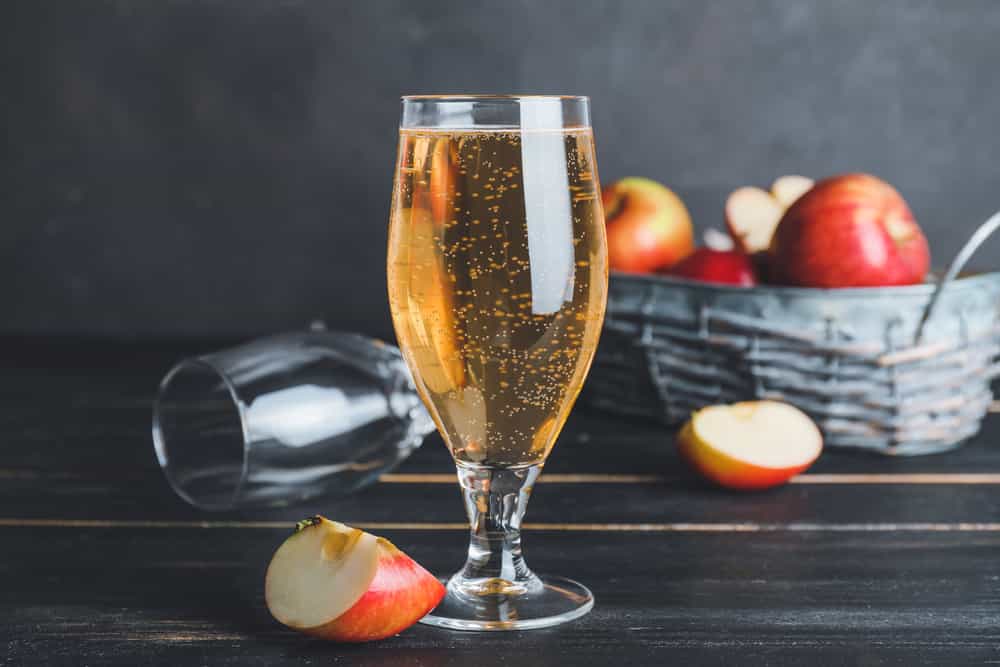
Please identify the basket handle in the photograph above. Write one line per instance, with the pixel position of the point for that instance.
(977, 239)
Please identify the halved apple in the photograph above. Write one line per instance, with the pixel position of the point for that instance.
(786, 189)
(752, 214)
(751, 445)
(341, 583)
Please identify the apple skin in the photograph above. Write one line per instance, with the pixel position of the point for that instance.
(853, 230)
(761, 267)
(401, 594)
(728, 472)
(722, 267)
(648, 226)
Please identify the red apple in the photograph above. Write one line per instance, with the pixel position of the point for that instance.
(853, 230)
(649, 228)
(724, 267)
(752, 214)
(336, 582)
(752, 445)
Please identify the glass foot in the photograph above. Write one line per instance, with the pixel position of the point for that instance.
(498, 604)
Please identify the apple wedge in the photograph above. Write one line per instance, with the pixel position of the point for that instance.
(752, 214)
(427, 293)
(786, 189)
(341, 583)
(751, 445)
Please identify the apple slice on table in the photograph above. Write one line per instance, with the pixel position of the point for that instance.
(752, 214)
(341, 583)
(751, 445)
(787, 189)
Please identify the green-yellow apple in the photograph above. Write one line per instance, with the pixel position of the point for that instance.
(648, 226)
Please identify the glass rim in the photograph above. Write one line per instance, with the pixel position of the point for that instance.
(472, 97)
(160, 445)
(495, 112)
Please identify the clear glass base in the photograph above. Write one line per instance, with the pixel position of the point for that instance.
(496, 590)
(498, 604)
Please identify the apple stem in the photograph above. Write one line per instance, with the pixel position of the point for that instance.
(306, 523)
(495, 500)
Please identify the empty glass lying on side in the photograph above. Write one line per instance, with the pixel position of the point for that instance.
(286, 418)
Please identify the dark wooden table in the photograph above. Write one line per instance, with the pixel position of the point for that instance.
(864, 560)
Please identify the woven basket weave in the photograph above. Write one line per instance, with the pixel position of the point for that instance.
(847, 357)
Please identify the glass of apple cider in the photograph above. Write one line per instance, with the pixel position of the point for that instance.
(497, 275)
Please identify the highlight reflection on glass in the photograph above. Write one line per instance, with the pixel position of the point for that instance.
(497, 273)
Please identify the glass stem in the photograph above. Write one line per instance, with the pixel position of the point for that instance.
(495, 500)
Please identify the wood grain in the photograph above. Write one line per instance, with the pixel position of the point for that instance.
(863, 560)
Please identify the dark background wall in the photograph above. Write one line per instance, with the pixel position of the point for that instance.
(225, 167)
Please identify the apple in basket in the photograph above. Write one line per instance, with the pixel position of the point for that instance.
(751, 445)
(341, 583)
(648, 226)
(853, 230)
(723, 267)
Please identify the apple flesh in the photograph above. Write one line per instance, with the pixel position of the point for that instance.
(787, 189)
(341, 583)
(751, 445)
(853, 230)
(717, 240)
(722, 267)
(752, 215)
(648, 226)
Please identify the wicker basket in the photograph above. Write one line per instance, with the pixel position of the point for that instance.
(863, 363)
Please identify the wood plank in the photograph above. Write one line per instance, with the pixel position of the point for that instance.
(805, 478)
(84, 408)
(178, 595)
(685, 500)
(45, 434)
(744, 527)
(864, 560)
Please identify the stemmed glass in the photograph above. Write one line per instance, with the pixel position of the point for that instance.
(497, 273)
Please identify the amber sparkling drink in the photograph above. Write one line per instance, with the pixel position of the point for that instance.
(499, 364)
(497, 275)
